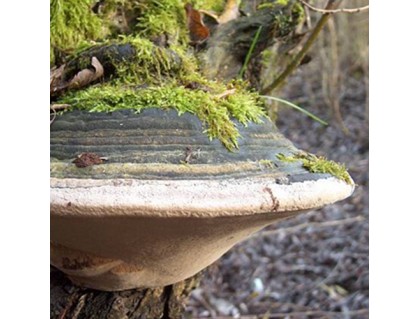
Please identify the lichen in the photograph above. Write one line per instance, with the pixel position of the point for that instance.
(318, 164)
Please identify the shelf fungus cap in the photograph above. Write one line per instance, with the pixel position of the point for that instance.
(163, 201)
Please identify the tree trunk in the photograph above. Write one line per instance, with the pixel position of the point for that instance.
(68, 301)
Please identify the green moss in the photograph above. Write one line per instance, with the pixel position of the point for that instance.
(285, 22)
(298, 12)
(316, 164)
(271, 4)
(267, 56)
(150, 64)
(211, 5)
(216, 113)
(163, 17)
(71, 22)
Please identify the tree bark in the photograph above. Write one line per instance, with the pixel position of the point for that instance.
(68, 301)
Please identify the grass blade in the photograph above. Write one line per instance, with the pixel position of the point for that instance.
(295, 107)
(249, 53)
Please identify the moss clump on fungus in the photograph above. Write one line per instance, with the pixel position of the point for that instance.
(215, 112)
(316, 164)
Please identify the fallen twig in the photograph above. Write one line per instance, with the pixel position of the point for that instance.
(59, 107)
(225, 94)
(54, 113)
(56, 107)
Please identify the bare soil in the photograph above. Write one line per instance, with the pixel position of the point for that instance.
(315, 265)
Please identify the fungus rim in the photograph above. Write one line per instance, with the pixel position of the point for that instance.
(189, 198)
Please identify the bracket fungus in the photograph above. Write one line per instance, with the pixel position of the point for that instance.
(168, 201)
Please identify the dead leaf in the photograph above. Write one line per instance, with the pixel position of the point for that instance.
(88, 159)
(198, 31)
(231, 12)
(55, 74)
(98, 67)
(55, 78)
(53, 110)
(211, 14)
(87, 76)
(58, 107)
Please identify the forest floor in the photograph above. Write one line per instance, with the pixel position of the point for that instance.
(315, 265)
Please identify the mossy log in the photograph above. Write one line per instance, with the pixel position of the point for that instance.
(223, 54)
(69, 301)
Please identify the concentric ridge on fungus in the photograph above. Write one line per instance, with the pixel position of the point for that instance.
(217, 114)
